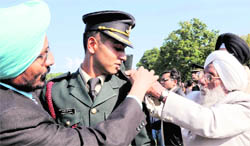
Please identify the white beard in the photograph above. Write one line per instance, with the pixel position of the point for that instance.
(211, 97)
(206, 98)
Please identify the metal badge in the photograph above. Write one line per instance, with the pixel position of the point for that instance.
(67, 111)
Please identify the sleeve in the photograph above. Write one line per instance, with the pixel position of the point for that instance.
(31, 125)
(225, 119)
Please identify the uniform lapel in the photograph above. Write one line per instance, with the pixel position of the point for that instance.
(109, 90)
(79, 90)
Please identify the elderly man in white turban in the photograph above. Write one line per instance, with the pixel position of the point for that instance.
(25, 59)
(222, 118)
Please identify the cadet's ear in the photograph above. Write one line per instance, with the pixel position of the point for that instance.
(92, 45)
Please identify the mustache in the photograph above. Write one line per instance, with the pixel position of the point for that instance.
(43, 77)
(48, 70)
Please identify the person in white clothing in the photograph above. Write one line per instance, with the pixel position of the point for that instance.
(222, 115)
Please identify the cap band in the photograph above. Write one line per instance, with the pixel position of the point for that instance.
(114, 30)
(118, 37)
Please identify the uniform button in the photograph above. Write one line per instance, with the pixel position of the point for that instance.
(140, 126)
(138, 129)
(93, 111)
(143, 123)
(68, 123)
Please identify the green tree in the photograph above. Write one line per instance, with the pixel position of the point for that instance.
(52, 75)
(149, 58)
(247, 39)
(189, 44)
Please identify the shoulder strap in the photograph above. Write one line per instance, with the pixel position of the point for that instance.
(49, 99)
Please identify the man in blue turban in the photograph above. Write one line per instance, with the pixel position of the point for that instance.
(25, 59)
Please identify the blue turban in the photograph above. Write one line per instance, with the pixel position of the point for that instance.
(23, 29)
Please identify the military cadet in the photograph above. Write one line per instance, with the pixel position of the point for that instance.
(25, 59)
(89, 95)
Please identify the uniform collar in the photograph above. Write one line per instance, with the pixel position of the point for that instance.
(86, 77)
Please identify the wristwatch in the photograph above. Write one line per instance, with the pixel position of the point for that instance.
(164, 95)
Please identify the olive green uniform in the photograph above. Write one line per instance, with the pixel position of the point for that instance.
(74, 107)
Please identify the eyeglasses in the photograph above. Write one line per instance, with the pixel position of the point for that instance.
(42, 58)
(163, 80)
(208, 77)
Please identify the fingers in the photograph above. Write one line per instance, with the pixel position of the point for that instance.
(141, 80)
(156, 89)
(152, 71)
(129, 72)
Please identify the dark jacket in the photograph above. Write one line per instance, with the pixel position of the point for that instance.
(172, 132)
(178, 90)
(22, 122)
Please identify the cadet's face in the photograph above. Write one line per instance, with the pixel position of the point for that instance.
(34, 76)
(109, 56)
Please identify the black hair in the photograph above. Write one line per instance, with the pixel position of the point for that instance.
(174, 74)
(188, 83)
(88, 34)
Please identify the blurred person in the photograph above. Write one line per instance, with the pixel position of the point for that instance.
(195, 72)
(76, 102)
(237, 47)
(170, 79)
(188, 86)
(25, 59)
(156, 131)
(221, 116)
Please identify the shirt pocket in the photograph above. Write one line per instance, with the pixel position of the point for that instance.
(70, 120)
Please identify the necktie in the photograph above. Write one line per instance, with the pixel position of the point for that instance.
(92, 84)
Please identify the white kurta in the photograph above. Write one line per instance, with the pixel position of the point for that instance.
(227, 123)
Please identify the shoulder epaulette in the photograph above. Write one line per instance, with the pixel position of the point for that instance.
(61, 77)
(121, 75)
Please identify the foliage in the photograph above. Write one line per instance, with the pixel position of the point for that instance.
(52, 75)
(247, 39)
(190, 44)
(149, 58)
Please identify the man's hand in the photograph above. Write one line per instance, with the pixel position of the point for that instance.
(155, 90)
(141, 80)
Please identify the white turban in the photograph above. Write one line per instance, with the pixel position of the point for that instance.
(230, 70)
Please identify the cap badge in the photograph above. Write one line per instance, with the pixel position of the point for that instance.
(128, 31)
